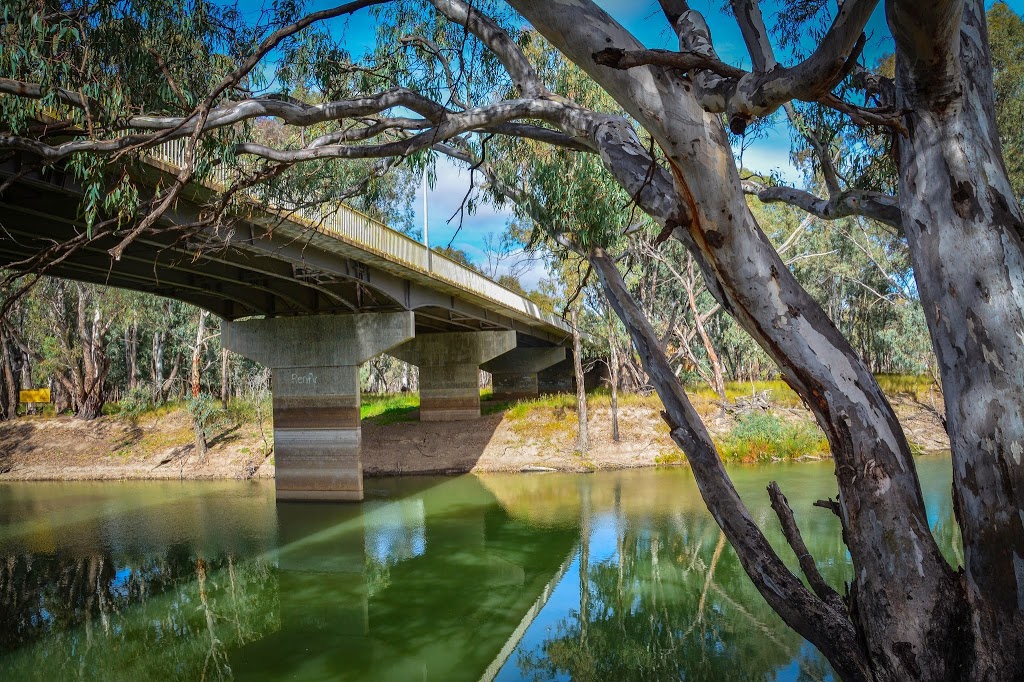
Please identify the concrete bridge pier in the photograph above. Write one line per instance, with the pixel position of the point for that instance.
(558, 378)
(449, 370)
(514, 375)
(315, 364)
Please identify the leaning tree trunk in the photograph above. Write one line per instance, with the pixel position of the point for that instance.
(966, 236)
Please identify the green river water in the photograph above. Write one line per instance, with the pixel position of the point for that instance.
(603, 577)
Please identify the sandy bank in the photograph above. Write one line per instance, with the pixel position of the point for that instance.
(160, 446)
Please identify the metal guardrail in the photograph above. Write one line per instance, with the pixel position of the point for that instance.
(349, 225)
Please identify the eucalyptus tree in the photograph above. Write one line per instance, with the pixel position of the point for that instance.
(449, 76)
(1007, 35)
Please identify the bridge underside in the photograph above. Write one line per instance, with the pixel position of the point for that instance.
(268, 267)
(325, 305)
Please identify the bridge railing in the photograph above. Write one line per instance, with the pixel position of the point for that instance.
(352, 226)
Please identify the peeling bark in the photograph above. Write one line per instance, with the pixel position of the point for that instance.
(966, 234)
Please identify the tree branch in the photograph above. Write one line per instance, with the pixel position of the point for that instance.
(796, 541)
(875, 205)
(748, 95)
(498, 41)
(812, 617)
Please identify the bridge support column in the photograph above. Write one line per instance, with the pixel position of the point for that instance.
(558, 378)
(315, 363)
(449, 370)
(514, 375)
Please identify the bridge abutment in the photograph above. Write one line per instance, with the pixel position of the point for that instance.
(315, 364)
(449, 370)
(515, 374)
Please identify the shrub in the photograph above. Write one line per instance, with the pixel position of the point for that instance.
(135, 402)
(764, 436)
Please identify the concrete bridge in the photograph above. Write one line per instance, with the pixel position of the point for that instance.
(312, 294)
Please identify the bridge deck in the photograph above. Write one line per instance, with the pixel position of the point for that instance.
(273, 261)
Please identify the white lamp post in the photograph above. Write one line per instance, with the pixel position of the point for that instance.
(426, 225)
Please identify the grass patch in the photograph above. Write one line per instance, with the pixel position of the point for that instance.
(602, 397)
(159, 441)
(763, 437)
(386, 409)
(779, 392)
(545, 419)
(671, 457)
(919, 386)
(244, 412)
(159, 411)
(552, 402)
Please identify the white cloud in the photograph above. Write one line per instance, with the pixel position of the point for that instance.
(451, 184)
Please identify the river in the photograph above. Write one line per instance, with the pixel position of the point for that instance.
(607, 576)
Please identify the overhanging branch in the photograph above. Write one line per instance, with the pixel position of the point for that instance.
(853, 202)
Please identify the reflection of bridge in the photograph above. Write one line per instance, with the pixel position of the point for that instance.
(333, 288)
(436, 585)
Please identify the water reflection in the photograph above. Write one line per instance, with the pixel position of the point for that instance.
(612, 576)
(422, 584)
(662, 597)
(117, 582)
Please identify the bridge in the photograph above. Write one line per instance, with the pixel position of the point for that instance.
(311, 294)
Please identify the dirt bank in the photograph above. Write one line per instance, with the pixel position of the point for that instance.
(160, 446)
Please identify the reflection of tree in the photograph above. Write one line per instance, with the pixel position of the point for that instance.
(216, 661)
(673, 603)
(168, 616)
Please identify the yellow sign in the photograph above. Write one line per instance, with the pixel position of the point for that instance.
(37, 395)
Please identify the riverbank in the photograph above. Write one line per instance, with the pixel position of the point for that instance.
(761, 423)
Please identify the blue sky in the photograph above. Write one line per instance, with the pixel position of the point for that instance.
(645, 20)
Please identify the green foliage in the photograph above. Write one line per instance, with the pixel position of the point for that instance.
(156, 57)
(512, 284)
(206, 412)
(860, 272)
(457, 255)
(244, 411)
(136, 402)
(670, 457)
(764, 436)
(1006, 40)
